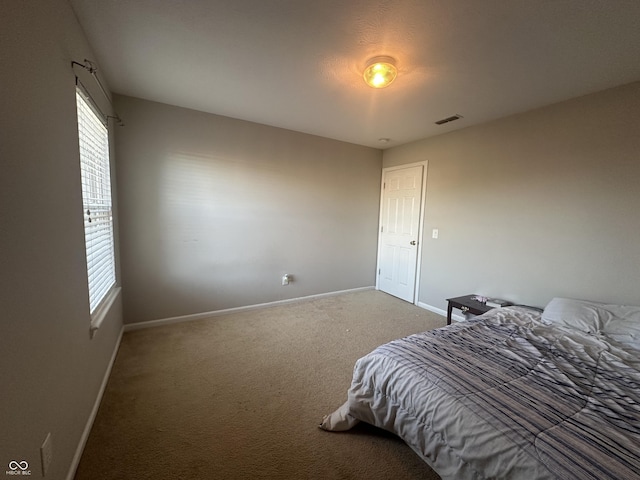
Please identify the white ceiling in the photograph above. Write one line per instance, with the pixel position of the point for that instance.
(298, 64)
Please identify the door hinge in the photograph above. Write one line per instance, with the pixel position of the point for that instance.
(379, 271)
(382, 228)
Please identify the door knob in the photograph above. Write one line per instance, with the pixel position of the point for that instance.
(413, 242)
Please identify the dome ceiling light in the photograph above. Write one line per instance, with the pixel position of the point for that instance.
(380, 72)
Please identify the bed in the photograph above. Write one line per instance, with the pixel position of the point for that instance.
(514, 394)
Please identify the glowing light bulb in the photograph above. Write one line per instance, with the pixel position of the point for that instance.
(380, 72)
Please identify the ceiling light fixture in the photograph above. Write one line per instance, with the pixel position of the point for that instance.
(380, 72)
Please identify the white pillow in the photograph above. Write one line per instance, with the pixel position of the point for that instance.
(618, 322)
(579, 314)
(624, 326)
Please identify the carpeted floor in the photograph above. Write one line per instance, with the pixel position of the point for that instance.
(240, 396)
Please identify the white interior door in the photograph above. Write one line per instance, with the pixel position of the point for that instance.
(399, 231)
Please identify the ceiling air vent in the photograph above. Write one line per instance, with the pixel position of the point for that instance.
(448, 119)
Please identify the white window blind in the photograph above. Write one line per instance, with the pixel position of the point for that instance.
(96, 202)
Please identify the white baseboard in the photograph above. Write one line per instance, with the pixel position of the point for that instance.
(199, 316)
(439, 311)
(87, 429)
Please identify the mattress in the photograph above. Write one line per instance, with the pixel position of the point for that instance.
(505, 395)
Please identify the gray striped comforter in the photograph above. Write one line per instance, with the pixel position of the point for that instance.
(505, 396)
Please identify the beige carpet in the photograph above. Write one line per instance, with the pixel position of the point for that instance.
(240, 396)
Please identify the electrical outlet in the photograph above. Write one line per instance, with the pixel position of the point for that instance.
(434, 233)
(286, 278)
(46, 454)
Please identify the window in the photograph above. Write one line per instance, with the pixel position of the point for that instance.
(96, 202)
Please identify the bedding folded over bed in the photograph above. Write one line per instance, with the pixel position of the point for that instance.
(505, 395)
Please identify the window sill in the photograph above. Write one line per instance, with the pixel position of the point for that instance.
(101, 312)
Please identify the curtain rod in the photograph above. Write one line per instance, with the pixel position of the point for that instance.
(90, 66)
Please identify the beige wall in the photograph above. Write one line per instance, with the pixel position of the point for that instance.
(215, 210)
(536, 205)
(50, 370)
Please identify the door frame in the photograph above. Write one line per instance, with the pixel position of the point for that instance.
(423, 198)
